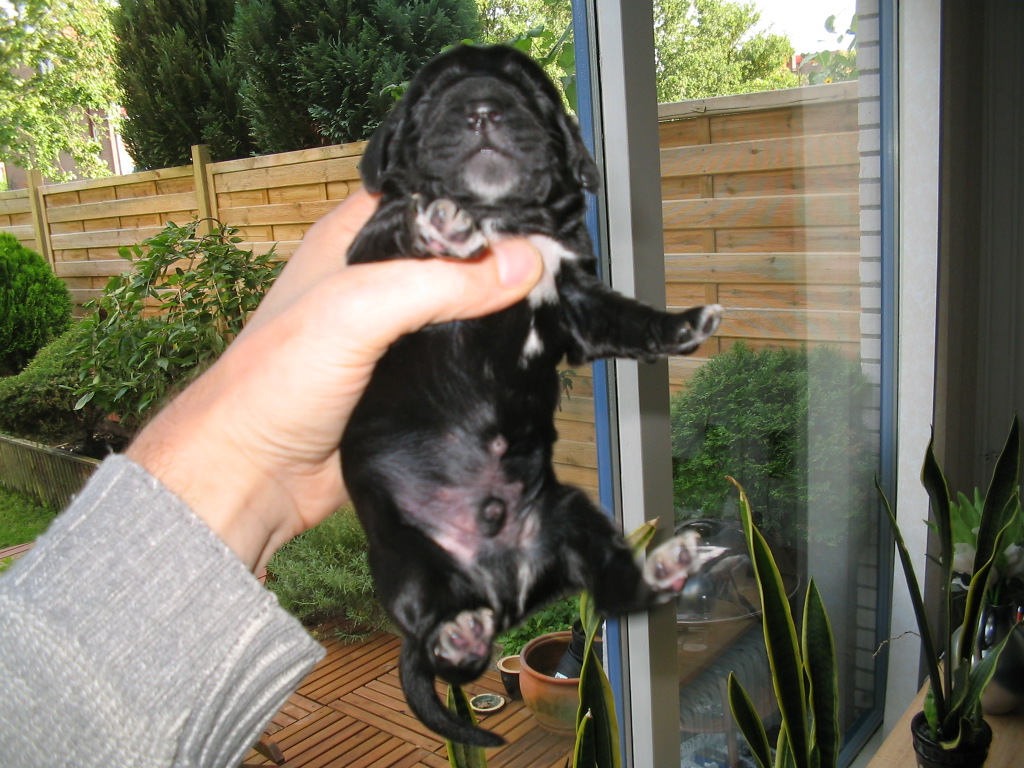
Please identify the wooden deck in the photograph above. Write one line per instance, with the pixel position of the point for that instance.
(350, 712)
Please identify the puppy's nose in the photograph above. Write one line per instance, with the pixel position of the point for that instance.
(483, 113)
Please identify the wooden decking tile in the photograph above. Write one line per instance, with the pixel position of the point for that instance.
(350, 712)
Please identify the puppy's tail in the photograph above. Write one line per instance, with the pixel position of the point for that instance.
(418, 683)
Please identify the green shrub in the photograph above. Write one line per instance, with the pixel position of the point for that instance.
(39, 403)
(555, 617)
(325, 573)
(34, 304)
(204, 287)
(788, 424)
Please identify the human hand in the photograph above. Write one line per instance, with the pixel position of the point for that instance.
(252, 445)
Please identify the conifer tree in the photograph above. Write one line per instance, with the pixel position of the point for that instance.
(317, 71)
(179, 86)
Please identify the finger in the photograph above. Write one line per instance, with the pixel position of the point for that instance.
(382, 301)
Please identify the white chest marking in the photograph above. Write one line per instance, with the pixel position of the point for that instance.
(553, 253)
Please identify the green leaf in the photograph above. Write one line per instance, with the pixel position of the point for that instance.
(749, 722)
(931, 657)
(597, 704)
(84, 400)
(819, 653)
(780, 638)
(463, 755)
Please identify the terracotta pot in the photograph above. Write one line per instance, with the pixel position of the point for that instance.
(553, 700)
(931, 755)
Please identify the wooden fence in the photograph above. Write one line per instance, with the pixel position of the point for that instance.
(760, 203)
(49, 476)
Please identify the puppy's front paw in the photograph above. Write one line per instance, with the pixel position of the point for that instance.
(465, 641)
(443, 229)
(670, 565)
(695, 326)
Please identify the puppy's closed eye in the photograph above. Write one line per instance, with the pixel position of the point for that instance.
(448, 455)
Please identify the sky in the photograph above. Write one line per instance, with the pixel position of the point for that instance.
(803, 21)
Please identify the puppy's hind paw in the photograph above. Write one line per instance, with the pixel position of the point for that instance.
(443, 229)
(465, 641)
(670, 565)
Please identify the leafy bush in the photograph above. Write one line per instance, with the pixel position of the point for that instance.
(786, 423)
(203, 288)
(555, 617)
(39, 403)
(34, 304)
(325, 573)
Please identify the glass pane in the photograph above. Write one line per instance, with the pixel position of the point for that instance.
(770, 194)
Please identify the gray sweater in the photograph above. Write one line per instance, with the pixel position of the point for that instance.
(130, 635)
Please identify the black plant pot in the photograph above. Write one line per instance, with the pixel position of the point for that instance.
(930, 754)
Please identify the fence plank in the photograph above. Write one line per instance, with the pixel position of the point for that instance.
(762, 212)
(826, 150)
(130, 206)
(49, 476)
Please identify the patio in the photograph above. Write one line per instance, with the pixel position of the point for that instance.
(350, 712)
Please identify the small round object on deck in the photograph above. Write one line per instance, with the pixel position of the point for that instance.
(486, 703)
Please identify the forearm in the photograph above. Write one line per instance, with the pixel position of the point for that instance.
(133, 636)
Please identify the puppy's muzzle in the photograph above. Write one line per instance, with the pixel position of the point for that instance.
(483, 114)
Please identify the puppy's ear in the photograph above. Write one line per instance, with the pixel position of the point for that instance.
(579, 158)
(379, 152)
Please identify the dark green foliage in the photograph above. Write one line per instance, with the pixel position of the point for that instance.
(204, 286)
(324, 573)
(317, 71)
(555, 617)
(39, 403)
(786, 423)
(21, 519)
(34, 304)
(180, 86)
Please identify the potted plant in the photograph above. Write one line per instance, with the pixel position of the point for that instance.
(951, 729)
(804, 671)
(1004, 598)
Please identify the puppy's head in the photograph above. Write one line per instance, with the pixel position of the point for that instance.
(479, 124)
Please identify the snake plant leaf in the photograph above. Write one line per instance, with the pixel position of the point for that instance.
(931, 657)
(463, 755)
(999, 500)
(784, 757)
(976, 592)
(597, 704)
(583, 751)
(934, 482)
(749, 722)
(819, 652)
(780, 638)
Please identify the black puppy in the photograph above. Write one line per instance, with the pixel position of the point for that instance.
(448, 455)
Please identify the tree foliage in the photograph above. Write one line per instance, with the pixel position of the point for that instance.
(55, 83)
(181, 87)
(318, 71)
(704, 48)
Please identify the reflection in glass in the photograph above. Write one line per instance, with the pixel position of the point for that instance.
(770, 202)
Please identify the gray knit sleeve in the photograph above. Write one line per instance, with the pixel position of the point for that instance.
(132, 636)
